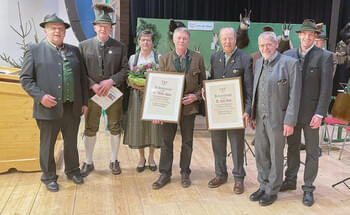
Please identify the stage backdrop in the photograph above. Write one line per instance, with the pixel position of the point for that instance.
(204, 33)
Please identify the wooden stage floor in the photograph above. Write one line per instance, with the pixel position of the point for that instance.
(131, 192)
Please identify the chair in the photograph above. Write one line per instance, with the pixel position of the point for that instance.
(347, 138)
(328, 137)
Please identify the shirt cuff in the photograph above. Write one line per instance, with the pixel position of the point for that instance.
(319, 116)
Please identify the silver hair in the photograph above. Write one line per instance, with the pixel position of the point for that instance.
(268, 34)
(182, 29)
(230, 29)
(146, 33)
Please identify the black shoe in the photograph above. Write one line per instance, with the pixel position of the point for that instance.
(288, 185)
(86, 169)
(256, 196)
(141, 168)
(308, 198)
(161, 182)
(153, 168)
(115, 167)
(77, 179)
(267, 199)
(52, 186)
(185, 180)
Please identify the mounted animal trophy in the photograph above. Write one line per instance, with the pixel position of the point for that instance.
(242, 32)
(284, 40)
(172, 26)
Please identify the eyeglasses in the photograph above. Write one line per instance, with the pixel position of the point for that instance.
(145, 40)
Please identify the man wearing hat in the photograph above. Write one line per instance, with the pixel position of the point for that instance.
(54, 75)
(321, 42)
(107, 65)
(315, 97)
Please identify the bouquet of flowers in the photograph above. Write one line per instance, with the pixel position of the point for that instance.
(137, 75)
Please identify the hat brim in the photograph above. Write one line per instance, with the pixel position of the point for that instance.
(94, 23)
(66, 25)
(302, 30)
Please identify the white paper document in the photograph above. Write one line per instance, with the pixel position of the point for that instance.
(105, 101)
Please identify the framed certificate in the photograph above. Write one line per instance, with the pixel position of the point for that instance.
(163, 96)
(224, 103)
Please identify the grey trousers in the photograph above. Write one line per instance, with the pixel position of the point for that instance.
(68, 125)
(269, 145)
(312, 154)
(219, 144)
(168, 132)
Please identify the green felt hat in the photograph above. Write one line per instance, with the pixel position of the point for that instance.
(308, 25)
(322, 34)
(102, 13)
(53, 19)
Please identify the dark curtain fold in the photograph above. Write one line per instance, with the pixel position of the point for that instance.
(275, 11)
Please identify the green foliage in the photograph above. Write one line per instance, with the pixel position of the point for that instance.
(23, 32)
(143, 25)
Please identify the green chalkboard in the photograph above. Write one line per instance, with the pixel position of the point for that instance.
(202, 40)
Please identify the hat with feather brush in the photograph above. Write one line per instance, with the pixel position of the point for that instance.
(102, 11)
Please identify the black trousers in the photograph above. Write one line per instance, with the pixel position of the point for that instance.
(49, 129)
(168, 132)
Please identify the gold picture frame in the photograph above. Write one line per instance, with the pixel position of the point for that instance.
(162, 99)
(224, 103)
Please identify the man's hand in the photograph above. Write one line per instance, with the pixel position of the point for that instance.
(96, 88)
(84, 109)
(203, 94)
(315, 122)
(157, 122)
(287, 130)
(253, 124)
(246, 119)
(189, 99)
(106, 85)
(48, 101)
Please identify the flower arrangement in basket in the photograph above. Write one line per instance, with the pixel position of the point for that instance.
(137, 76)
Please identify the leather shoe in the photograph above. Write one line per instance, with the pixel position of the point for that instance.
(308, 198)
(287, 185)
(238, 188)
(141, 168)
(52, 186)
(256, 196)
(267, 199)
(161, 182)
(86, 169)
(114, 166)
(77, 179)
(153, 168)
(216, 182)
(185, 180)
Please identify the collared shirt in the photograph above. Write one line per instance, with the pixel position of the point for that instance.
(228, 56)
(67, 76)
(142, 60)
(303, 54)
(182, 63)
(272, 58)
(101, 53)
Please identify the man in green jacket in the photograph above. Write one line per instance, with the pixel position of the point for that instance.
(107, 65)
(54, 75)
